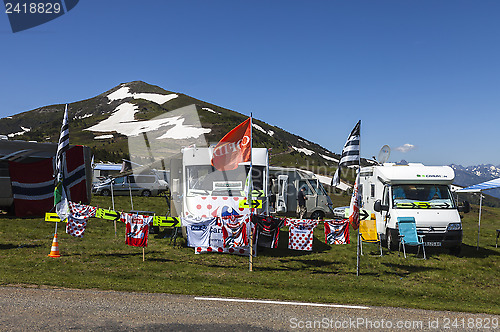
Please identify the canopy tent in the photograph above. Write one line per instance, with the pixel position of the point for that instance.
(491, 184)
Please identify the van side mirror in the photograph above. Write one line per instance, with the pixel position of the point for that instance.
(465, 207)
(378, 207)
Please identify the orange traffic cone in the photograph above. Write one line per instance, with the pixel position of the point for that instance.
(54, 251)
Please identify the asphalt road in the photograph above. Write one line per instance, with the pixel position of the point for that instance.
(55, 309)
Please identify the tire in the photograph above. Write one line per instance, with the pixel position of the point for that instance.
(106, 192)
(455, 251)
(146, 193)
(317, 215)
(391, 245)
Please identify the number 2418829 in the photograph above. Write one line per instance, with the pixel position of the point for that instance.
(32, 8)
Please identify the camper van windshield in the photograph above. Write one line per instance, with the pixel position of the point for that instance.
(422, 196)
(206, 180)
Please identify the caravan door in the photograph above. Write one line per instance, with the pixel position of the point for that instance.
(282, 193)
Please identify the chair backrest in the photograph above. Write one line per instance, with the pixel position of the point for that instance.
(368, 230)
(408, 230)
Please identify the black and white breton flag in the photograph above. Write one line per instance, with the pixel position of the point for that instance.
(63, 146)
(60, 197)
(350, 153)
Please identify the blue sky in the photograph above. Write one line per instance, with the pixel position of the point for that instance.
(423, 73)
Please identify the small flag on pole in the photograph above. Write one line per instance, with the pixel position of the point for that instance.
(234, 148)
(350, 153)
(60, 197)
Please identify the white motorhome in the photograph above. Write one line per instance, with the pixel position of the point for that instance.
(414, 190)
(199, 190)
(285, 185)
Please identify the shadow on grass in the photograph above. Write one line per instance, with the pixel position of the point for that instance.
(129, 254)
(315, 266)
(403, 270)
(6, 246)
(472, 252)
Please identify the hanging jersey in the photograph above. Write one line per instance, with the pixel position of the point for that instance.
(337, 231)
(268, 230)
(77, 220)
(137, 229)
(301, 234)
(234, 232)
(199, 231)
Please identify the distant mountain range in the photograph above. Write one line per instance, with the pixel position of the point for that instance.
(470, 175)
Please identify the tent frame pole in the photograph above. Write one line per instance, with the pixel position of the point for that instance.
(479, 222)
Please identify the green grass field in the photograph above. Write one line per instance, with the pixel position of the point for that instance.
(102, 260)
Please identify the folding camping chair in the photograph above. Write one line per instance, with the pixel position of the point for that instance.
(408, 235)
(368, 233)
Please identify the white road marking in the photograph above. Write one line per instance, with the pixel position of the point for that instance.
(281, 302)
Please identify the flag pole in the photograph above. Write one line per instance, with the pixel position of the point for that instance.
(357, 197)
(249, 199)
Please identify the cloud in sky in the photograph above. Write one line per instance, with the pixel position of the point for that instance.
(405, 148)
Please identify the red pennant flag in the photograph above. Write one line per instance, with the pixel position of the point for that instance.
(234, 148)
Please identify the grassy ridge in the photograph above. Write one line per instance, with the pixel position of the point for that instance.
(102, 260)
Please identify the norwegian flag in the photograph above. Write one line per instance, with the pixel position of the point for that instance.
(234, 148)
(75, 180)
(32, 187)
(33, 183)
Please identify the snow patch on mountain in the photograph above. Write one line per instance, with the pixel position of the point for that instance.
(124, 92)
(303, 150)
(259, 128)
(210, 110)
(23, 131)
(123, 122)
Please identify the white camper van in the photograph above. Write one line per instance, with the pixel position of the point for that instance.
(414, 190)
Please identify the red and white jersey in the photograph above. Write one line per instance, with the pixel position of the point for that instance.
(337, 231)
(235, 232)
(77, 220)
(301, 236)
(137, 229)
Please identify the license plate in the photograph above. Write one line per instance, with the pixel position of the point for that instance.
(433, 244)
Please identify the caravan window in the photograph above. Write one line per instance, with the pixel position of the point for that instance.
(317, 187)
(422, 196)
(385, 197)
(303, 183)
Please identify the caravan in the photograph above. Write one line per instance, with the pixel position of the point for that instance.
(285, 185)
(391, 191)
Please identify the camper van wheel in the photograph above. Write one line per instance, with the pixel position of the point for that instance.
(391, 245)
(106, 192)
(317, 215)
(455, 250)
(146, 193)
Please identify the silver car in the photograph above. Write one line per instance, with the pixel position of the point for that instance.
(137, 185)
